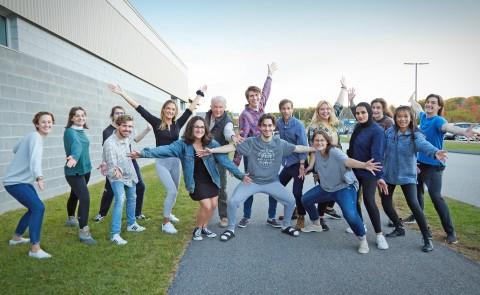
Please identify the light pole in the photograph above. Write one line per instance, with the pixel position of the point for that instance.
(416, 65)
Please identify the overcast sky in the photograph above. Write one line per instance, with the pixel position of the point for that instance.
(227, 45)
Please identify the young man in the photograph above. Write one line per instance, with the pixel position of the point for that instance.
(107, 196)
(257, 100)
(434, 126)
(265, 154)
(122, 177)
(292, 130)
(221, 128)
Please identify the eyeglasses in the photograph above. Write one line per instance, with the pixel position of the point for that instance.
(119, 113)
(199, 127)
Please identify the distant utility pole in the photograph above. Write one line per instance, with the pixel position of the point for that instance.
(416, 65)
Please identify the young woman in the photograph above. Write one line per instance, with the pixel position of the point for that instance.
(24, 170)
(367, 142)
(403, 142)
(166, 130)
(381, 113)
(77, 172)
(201, 176)
(107, 196)
(337, 183)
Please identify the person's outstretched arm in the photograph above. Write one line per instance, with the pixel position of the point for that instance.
(272, 68)
(416, 107)
(142, 134)
(118, 90)
(196, 101)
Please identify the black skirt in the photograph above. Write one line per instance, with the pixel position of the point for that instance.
(204, 186)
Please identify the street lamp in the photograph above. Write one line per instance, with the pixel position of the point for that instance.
(416, 65)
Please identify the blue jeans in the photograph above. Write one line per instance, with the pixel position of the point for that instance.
(119, 192)
(247, 205)
(346, 199)
(27, 196)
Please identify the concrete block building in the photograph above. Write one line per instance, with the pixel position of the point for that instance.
(56, 54)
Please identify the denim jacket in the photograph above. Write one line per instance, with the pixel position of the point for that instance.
(186, 153)
(400, 156)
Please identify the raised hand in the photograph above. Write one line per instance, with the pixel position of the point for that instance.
(441, 155)
(351, 95)
(246, 179)
(343, 82)
(71, 162)
(204, 153)
(115, 89)
(134, 155)
(203, 88)
(412, 97)
(382, 186)
(272, 68)
(372, 166)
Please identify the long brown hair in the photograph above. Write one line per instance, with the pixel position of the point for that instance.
(163, 124)
(332, 119)
(327, 137)
(188, 136)
(385, 108)
(412, 125)
(71, 114)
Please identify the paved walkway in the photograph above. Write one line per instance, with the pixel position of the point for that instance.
(261, 260)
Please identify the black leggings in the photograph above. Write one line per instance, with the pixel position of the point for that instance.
(368, 187)
(410, 192)
(79, 193)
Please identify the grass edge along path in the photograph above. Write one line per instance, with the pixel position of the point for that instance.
(465, 217)
(146, 265)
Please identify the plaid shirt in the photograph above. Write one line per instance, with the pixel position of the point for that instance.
(248, 120)
(115, 152)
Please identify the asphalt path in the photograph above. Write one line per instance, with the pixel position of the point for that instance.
(461, 179)
(262, 260)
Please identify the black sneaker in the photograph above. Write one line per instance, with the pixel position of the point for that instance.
(452, 238)
(409, 220)
(273, 222)
(427, 245)
(331, 213)
(208, 233)
(397, 232)
(324, 225)
(142, 217)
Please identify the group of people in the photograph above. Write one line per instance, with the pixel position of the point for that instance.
(385, 150)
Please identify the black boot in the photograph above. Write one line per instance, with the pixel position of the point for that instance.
(427, 245)
(399, 231)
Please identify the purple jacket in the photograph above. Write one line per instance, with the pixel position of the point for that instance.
(248, 119)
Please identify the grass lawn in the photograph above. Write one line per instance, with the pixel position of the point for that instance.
(451, 145)
(466, 219)
(145, 265)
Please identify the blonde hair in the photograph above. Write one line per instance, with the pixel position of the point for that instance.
(332, 119)
(163, 124)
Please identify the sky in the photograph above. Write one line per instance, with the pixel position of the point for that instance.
(228, 44)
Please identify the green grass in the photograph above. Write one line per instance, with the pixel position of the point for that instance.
(145, 265)
(466, 219)
(451, 145)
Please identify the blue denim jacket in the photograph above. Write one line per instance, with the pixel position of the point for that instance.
(186, 153)
(400, 156)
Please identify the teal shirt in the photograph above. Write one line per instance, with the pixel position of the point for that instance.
(76, 144)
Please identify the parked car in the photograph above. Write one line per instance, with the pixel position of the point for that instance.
(346, 126)
(451, 136)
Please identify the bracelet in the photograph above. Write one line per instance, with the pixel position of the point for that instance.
(343, 87)
(200, 92)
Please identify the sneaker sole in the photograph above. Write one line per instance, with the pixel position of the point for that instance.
(332, 217)
(274, 225)
(242, 226)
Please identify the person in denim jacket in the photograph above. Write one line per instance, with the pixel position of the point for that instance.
(201, 176)
(402, 142)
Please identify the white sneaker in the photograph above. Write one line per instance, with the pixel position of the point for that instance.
(363, 246)
(174, 218)
(350, 231)
(40, 254)
(117, 239)
(18, 242)
(312, 228)
(135, 228)
(381, 242)
(169, 228)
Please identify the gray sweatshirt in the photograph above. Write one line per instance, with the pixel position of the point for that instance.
(26, 165)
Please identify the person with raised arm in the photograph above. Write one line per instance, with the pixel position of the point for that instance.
(434, 126)
(257, 100)
(166, 129)
(338, 182)
(24, 170)
(200, 175)
(402, 142)
(381, 113)
(265, 153)
(107, 196)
